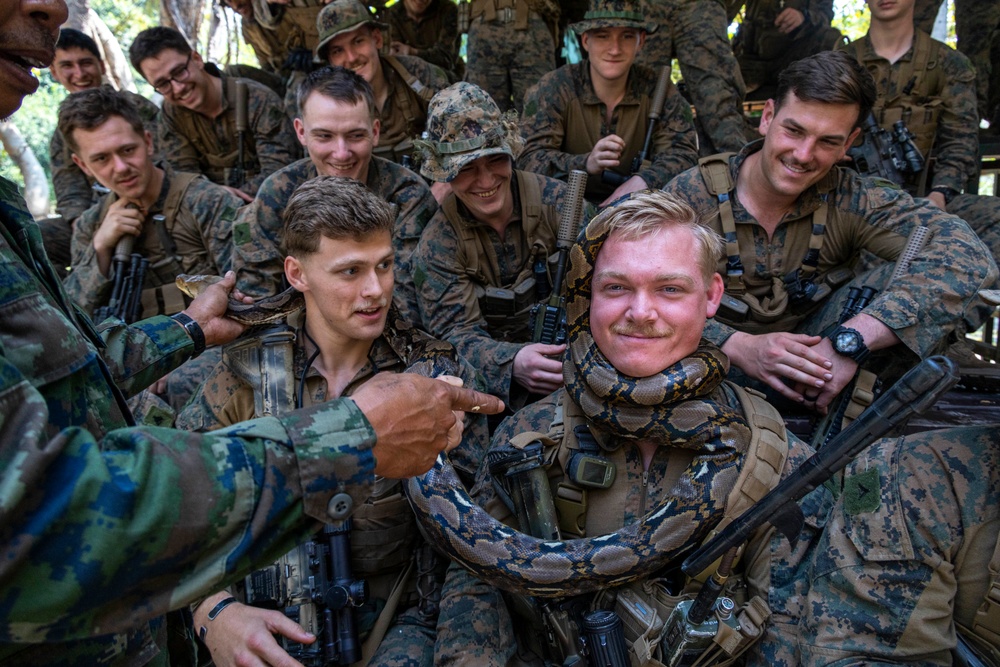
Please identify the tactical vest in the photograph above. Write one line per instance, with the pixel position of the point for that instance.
(517, 12)
(644, 606)
(920, 106)
(409, 106)
(162, 297)
(476, 254)
(771, 311)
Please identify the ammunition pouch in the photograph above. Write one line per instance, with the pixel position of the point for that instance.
(265, 363)
(384, 531)
(166, 299)
(507, 311)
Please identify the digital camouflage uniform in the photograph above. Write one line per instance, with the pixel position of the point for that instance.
(199, 221)
(434, 35)
(763, 51)
(258, 260)
(863, 214)
(73, 189)
(106, 527)
(940, 110)
(977, 25)
(563, 119)
(404, 114)
(192, 142)
(287, 28)
(694, 32)
(384, 534)
(510, 47)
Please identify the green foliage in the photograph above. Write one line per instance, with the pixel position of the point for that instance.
(36, 120)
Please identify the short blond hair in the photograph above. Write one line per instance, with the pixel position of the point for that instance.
(646, 213)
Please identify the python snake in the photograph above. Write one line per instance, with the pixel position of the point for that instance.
(672, 407)
(262, 311)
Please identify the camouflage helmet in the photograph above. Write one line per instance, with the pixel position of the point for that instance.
(463, 124)
(341, 16)
(614, 14)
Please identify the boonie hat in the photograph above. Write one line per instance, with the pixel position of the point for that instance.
(614, 14)
(464, 124)
(342, 16)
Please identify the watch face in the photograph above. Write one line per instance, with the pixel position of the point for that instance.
(847, 342)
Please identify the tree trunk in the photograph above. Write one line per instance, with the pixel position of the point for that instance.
(86, 20)
(36, 186)
(185, 16)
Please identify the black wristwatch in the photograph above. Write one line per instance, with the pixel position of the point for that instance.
(946, 192)
(849, 343)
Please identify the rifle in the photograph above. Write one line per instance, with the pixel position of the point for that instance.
(615, 179)
(119, 263)
(548, 320)
(242, 125)
(920, 388)
(889, 155)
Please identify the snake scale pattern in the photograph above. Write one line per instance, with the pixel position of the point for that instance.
(672, 407)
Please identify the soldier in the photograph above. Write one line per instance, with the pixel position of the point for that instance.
(511, 45)
(77, 66)
(178, 221)
(930, 87)
(793, 220)
(339, 131)
(427, 29)
(198, 122)
(774, 33)
(694, 31)
(884, 579)
(977, 26)
(349, 36)
(593, 116)
(496, 229)
(338, 245)
(111, 520)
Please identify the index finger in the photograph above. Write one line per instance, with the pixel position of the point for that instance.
(470, 400)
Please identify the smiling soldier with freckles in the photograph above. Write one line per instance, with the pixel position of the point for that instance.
(796, 223)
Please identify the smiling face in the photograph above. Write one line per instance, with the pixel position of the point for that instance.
(28, 33)
(357, 50)
(347, 284)
(483, 185)
(118, 157)
(338, 136)
(77, 69)
(611, 51)
(650, 300)
(891, 10)
(803, 140)
(180, 78)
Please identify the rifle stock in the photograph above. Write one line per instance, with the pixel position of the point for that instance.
(242, 125)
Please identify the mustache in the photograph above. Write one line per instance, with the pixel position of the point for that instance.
(377, 303)
(643, 330)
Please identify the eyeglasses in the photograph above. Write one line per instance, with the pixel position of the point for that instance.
(179, 74)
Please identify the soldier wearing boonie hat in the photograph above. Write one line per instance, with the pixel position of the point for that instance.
(474, 266)
(403, 85)
(565, 124)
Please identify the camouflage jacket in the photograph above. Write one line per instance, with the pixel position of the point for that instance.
(259, 262)
(403, 116)
(760, 38)
(202, 232)
(864, 214)
(434, 35)
(450, 284)
(563, 119)
(940, 109)
(106, 526)
(192, 142)
(73, 189)
(273, 44)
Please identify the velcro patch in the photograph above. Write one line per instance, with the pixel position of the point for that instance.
(241, 233)
(862, 492)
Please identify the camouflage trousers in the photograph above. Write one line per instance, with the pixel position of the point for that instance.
(408, 643)
(982, 212)
(474, 627)
(695, 32)
(506, 62)
(896, 562)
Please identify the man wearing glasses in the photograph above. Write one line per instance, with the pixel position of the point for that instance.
(198, 128)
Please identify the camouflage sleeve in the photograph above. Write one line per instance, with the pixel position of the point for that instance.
(216, 210)
(85, 284)
(945, 277)
(543, 126)
(818, 13)
(675, 142)
(444, 53)
(417, 207)
(72, 188)
(147, 520)
(257, 257)
(274, 136)
(173, 145)
(956, 143)
(212, 405)
(711, 72)
(140, 354)
(450, 310)
(429, 74)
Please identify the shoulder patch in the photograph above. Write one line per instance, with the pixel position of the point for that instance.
(241, 233)
(531, 108)
(882, 192)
